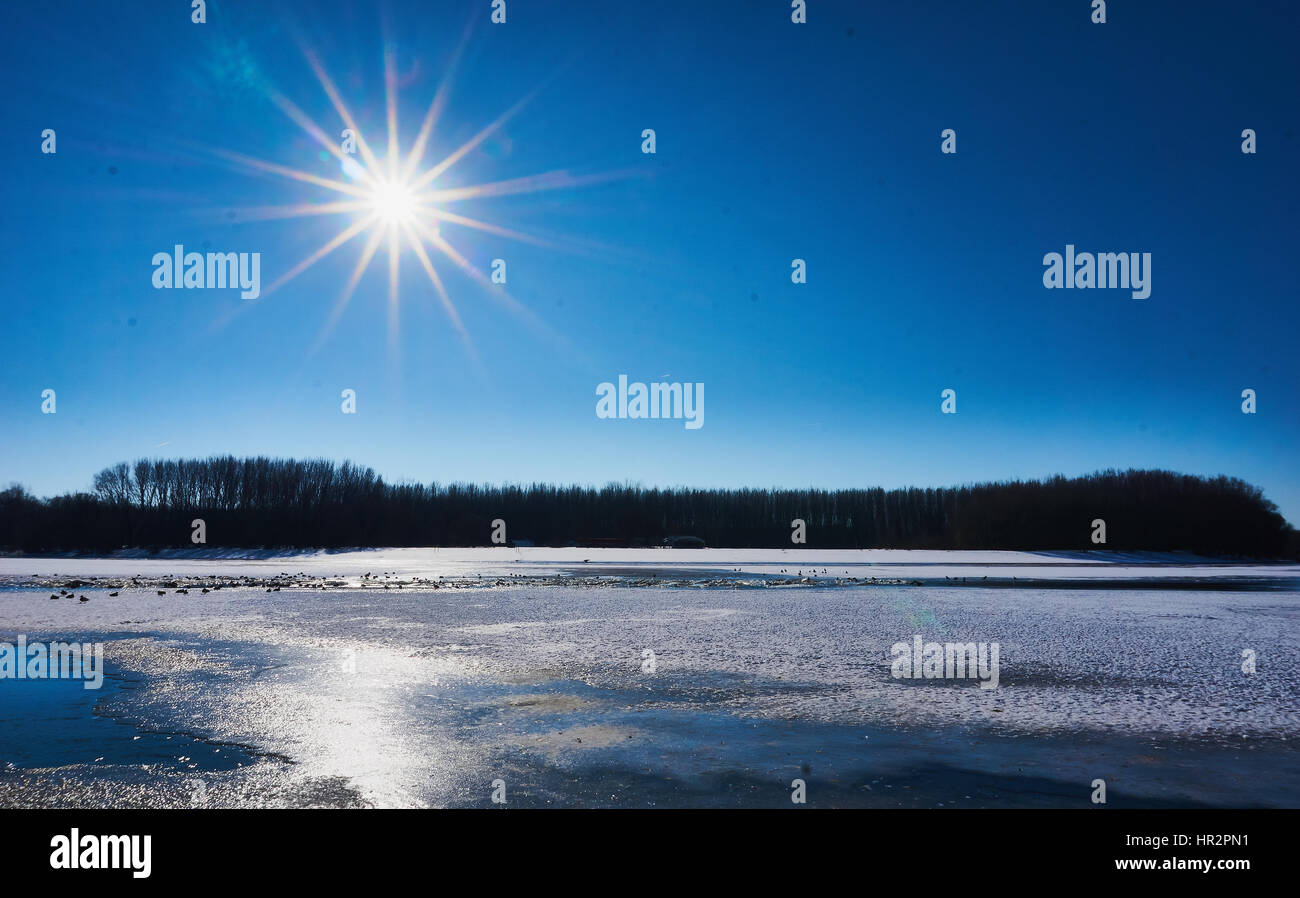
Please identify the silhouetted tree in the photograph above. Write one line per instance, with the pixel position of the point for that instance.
(262, 501)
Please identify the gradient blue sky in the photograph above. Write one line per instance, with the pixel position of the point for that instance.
(775, 141)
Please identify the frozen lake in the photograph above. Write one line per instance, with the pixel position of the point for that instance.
(653, 677)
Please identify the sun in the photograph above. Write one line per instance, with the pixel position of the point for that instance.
(394, 202)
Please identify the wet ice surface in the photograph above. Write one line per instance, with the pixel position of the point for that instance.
(404, 697)
(753, 565)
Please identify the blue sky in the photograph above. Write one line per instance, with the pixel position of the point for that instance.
(775, 141)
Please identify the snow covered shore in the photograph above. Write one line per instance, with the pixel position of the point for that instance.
(929, 566)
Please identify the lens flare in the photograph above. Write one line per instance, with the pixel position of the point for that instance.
(394, 200)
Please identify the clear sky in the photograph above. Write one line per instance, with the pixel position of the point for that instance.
(775, 141)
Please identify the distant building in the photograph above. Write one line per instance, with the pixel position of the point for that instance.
(601, 542)
(684, 542)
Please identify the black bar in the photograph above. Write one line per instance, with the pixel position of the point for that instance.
(653, 848)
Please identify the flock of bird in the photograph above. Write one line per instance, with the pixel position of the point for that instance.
(393, 580)
(300, 580)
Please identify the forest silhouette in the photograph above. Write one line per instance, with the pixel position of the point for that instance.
(285, 503)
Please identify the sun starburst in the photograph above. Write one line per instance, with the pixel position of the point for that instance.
(395, 203)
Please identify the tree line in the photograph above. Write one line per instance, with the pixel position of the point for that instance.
(288, 503)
